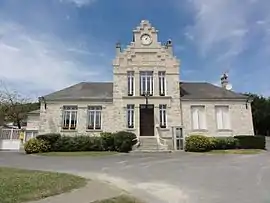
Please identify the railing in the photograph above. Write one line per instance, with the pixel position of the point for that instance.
(161, 142)
(138, 142)
(10, 134)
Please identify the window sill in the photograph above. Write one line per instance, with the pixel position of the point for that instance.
(93, 130)
(199, 130)
(130, 129)
(69, 131)
(164, 129)
(224, 130)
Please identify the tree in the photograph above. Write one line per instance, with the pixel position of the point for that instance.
(14, 107)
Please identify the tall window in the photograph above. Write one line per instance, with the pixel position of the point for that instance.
(130, 77)
(198, 117)
(130, 116)
(69, 117)
(163, 116)
(162, 82)
(223, 117)
(94, 117)
(146, 82)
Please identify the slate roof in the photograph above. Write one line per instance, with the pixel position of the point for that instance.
(104, 91)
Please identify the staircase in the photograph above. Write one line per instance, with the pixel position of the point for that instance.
(150, 144)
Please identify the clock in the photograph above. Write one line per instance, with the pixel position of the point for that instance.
(146, 39)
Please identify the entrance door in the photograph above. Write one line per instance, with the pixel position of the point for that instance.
(178, 138)
(147, 120)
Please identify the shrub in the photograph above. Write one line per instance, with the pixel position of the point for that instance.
(78, 143)
(198, 143)
(50, 138)
(107, 141)
(36, 146)
(123, 141)
(224, 142)
(250, 142)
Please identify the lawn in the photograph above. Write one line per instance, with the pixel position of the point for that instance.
(18, 185)
(92, 153)
(120, 199)
(236, 151)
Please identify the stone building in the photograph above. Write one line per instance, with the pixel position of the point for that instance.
(147, 98)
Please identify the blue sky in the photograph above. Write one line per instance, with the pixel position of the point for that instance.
(46, 45)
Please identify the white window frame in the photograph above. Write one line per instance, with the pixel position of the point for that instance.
(163, 116)
(162, 83)
(131, 85)
(221, 122)
(130, 115)
(198, 117)
(69, 113)
(145, 78)
(94, 111)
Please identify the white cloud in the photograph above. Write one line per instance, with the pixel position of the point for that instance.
(80, 3)
(35, 64)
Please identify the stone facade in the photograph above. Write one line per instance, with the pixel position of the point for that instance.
(153, 57)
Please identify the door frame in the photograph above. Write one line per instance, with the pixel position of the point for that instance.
(178, 138)
(153, 107)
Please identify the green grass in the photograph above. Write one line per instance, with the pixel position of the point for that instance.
(236, 151)
(18, 185)
(120, 199)
(92, 153)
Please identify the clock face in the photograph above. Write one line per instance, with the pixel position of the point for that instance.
(146, 39)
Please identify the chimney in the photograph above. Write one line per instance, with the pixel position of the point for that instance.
(118, 48)
(224, 80)
(169, 46)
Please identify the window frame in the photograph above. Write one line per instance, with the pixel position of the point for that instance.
(92, 110)
(201, 117)
(131, 83)
(223, 122)
(162, 83)
(163, 121)
(130, 116)
(145, 78)
(70, 113)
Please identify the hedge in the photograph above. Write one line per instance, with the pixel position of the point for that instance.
(121, 141)
(198, 143)
(250, 142)
(223, 143)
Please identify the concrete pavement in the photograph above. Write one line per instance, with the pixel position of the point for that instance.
(173, 178)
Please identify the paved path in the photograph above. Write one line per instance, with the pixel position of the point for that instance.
(168, 178)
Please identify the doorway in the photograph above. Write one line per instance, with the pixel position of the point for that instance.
(178, 138)
(147, 120)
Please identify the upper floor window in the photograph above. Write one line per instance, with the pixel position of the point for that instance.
(94, 118)
(69, 121)
(130, 77)
(223, 117)
(162, 83)
(198, 117)
(146, 82)
(130, 116)
(163, 116)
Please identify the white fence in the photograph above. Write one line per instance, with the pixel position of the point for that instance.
(10, 134)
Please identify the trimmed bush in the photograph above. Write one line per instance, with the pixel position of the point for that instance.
(50, 138)
(36, 146)
(198, 143)
(124, 141)
(107, 141)
(224, 143)
(78, 143)
(250, 142)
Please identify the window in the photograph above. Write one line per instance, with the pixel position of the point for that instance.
(223, 117)
(69, 117)
(130, 77)
(146, 82)
(198, 117)
(130, 116)
(94, 118)
(163, 116)
(162, 82)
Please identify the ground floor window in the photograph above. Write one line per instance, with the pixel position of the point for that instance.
(223, 117)
(163, 116)
(69, 117)
(198, 117)
(94, 118)
(130, 116)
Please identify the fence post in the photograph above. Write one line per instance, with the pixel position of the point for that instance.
(11, 134)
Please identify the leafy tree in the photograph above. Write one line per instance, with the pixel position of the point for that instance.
(14, 107)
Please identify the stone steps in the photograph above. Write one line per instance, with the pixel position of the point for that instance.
(150, 145)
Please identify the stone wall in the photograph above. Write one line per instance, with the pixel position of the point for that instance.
(240, 118)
